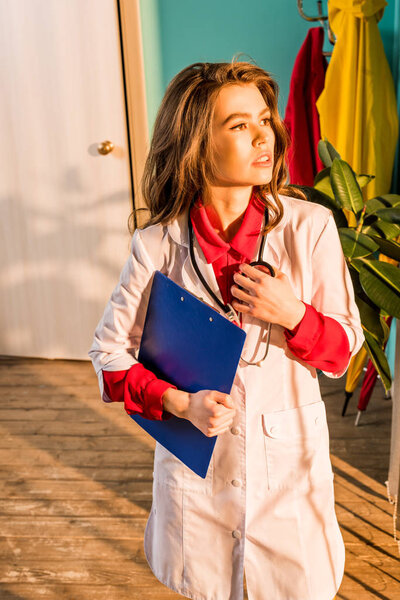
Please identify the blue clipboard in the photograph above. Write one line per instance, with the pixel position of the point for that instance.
(189, 344)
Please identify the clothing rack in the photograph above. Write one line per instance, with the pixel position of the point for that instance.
(321, 18)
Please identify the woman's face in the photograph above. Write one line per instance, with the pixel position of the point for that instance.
(242, 141)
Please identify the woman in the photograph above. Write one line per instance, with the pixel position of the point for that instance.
(266, 506)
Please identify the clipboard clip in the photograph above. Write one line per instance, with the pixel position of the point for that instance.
(230, 314)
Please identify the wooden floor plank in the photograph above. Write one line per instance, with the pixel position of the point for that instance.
(76, 485)
(23, 591)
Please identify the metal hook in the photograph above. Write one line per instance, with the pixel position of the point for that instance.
(321, 18)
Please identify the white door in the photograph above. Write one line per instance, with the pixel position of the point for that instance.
(63, 206)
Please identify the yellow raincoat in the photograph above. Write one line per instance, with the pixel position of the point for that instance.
(357, 107)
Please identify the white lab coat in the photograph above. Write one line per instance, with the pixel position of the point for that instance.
(267, 502)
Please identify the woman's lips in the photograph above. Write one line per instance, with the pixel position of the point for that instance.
(267, 162)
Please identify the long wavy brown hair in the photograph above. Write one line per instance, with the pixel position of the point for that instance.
(180, 161)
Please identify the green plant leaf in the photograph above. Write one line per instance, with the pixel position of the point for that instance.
(386, 330)
(387, 247)
(372, 205)
(376, 283)
(318, 197)
(379, 360)
(371, 320)
(322, 182)
(369, 312)
(327, 152)
(364, 179)
(345, 187)
(392, 215)
(375, 226)
(322, 175)
(381, 282)
(389, 200)
(356, 244)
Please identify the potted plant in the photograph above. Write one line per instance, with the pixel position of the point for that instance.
(366, 229)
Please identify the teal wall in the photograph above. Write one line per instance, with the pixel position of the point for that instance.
(387, 29)
(151, 39)
(268, 32)
(177, 33)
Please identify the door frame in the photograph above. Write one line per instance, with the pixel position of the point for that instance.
(135, 94)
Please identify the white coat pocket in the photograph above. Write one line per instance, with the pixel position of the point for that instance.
(296, 442)
(172, 472)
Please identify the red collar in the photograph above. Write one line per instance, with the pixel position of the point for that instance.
(245, 239)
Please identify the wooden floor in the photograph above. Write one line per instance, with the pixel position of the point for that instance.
(76, 479)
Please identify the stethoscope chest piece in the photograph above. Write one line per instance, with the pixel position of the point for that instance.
(263, 263)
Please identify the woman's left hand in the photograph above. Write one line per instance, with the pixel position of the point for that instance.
(268, 298)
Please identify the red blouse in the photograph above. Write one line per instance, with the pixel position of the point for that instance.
(317, 339)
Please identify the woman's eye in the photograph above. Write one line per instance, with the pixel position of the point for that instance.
(240, 125)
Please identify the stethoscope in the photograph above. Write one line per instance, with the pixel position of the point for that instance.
(228, 309)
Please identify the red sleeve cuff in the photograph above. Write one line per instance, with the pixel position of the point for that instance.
(307, 332)
(114, 385)
(153, 394)
(321, 341)
(139, 389)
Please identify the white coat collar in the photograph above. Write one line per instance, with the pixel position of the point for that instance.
(273, 249)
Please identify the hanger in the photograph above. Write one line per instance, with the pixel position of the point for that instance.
(321, 18)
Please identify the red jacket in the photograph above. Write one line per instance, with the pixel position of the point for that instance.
(317, 339)
(301, 116)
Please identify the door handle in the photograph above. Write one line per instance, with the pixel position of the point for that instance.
(105, 147)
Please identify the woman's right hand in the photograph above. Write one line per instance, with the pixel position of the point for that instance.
(210, 411)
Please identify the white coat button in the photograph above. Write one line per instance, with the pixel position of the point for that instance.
(236, 482)
(316, 420)
(235, 430)
(273, 429)
(236, 534)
